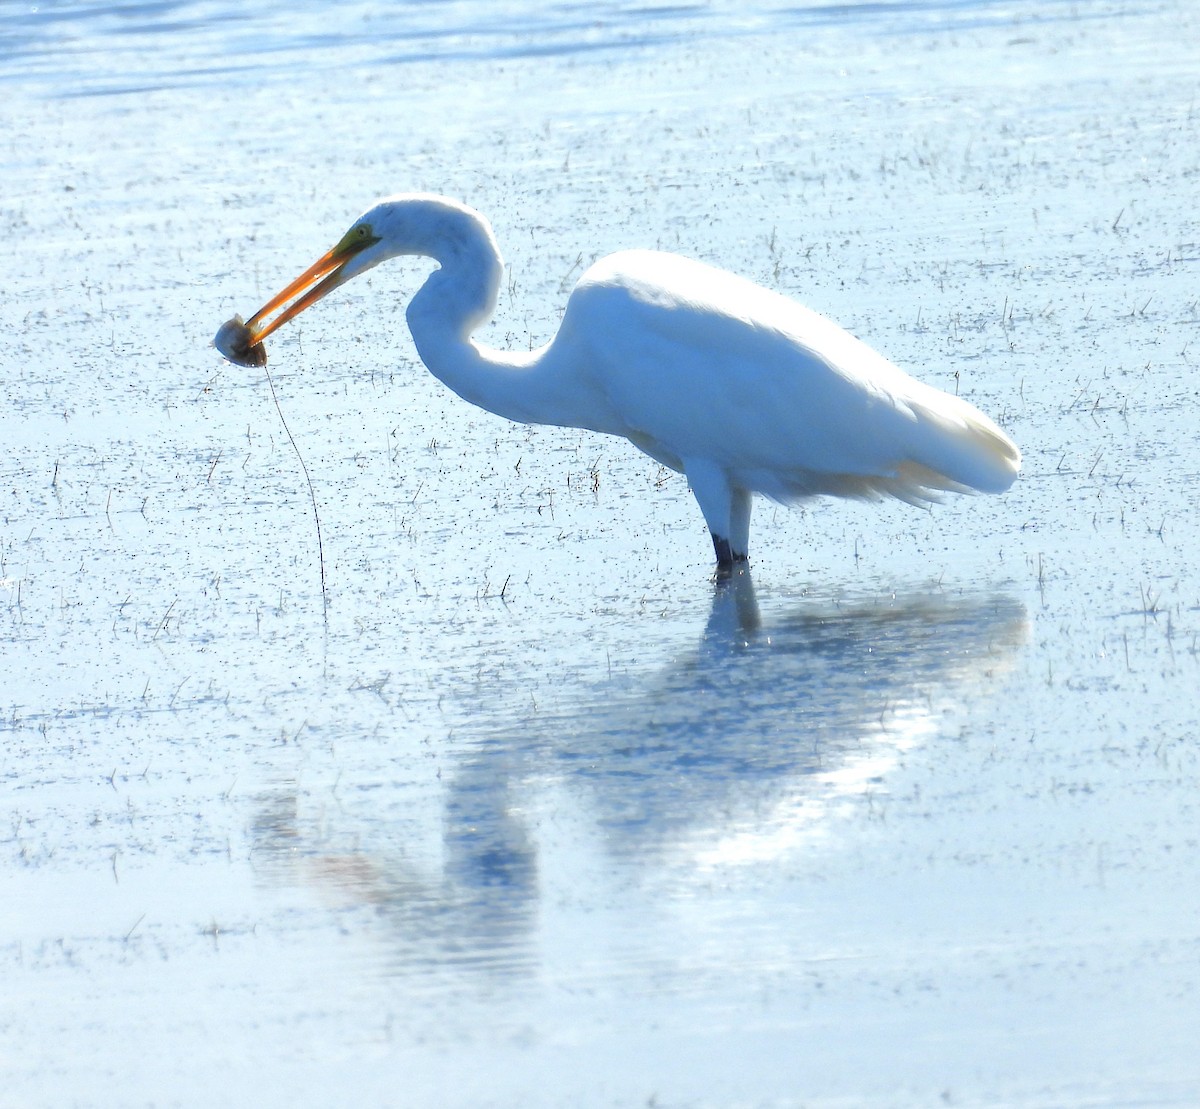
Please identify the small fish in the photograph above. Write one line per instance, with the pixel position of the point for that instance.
(236, 342)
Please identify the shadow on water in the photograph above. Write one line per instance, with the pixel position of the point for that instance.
(746, 748)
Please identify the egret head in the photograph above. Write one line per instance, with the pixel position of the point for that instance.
(412, 223)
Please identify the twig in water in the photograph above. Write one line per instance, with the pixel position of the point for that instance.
(312, 495)
(163, 622)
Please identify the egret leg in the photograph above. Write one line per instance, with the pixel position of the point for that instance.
(724, 552)
(726, 510)
(739, 523)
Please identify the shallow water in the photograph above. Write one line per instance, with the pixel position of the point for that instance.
(534, 813)
(85, 48)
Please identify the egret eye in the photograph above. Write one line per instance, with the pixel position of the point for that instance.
(359, 237)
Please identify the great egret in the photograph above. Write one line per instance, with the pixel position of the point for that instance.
(738, 387)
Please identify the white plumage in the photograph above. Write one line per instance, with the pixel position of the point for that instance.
(742, 389)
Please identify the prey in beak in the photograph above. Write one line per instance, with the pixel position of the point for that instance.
(242, 341)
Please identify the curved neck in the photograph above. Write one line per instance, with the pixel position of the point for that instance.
(456, 299)
(463, 293)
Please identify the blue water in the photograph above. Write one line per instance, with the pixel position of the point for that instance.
(81, 48)
(535, 813)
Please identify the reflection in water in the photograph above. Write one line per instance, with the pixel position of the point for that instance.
(744, 749)
(477, 913)
(755, 736)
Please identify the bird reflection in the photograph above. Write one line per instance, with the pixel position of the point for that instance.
(743, 749)
(477, 913)
(761, 727)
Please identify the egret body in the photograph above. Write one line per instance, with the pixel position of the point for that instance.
(740, 388)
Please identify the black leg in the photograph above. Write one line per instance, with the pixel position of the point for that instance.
(726, 555)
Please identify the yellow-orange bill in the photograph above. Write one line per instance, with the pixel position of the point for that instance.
(331, 261)
(242, 342)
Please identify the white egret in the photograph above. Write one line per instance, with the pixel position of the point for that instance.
(740, 388)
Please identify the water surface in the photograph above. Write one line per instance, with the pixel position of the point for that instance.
(522, 808)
